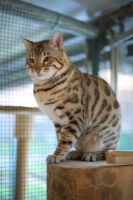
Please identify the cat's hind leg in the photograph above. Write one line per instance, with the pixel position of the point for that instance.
(94, 156)
(89, 156)
(74, 155)
(92, 147)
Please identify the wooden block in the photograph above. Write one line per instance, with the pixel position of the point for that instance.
(119, 157)
(120, 153)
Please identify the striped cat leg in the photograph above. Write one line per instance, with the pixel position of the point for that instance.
(66, 139)
(58, 129)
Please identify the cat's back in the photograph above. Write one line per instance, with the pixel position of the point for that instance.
(102, 100)
(98, 87)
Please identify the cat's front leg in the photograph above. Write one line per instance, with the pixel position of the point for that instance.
(58, 129)
(66, 139)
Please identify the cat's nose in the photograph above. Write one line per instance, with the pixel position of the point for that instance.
(38, 70)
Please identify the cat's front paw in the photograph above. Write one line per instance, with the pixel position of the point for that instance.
(90, 157)
(52, 159)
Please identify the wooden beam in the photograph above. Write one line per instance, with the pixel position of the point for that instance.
(20, 110)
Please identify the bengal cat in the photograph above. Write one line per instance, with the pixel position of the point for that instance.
(83, 107)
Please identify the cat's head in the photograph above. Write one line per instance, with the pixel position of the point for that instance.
(45, 59)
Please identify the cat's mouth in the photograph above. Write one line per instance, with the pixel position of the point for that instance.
(40, 77)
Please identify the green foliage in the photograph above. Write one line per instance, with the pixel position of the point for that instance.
(125, 141)
(37, 190)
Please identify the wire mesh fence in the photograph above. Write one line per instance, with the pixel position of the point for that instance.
(17, 101)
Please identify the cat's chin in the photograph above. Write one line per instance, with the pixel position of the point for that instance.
(37, 79)
(41, 78)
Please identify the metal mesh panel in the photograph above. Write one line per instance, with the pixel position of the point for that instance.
(26, 135)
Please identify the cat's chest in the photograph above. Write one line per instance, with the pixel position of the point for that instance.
(49, 106)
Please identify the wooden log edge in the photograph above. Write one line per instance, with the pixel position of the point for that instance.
(78, 180)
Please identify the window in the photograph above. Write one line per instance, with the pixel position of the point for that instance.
(125, 96)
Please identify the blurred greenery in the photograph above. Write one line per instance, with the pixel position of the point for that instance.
(37, 168)
(4, 148)
(38, 146)
(36, 191)
(5, 191)
(125, 141)
(36, 184)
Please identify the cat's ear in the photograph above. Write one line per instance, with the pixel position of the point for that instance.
(28, 44)
(57, 40)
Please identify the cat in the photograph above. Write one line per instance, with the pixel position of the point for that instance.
(83, 107)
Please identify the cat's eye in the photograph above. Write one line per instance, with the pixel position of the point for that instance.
(46, 59)
(31, 60)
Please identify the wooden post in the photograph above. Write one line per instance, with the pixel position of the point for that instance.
(23, 132)
(78, 180)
